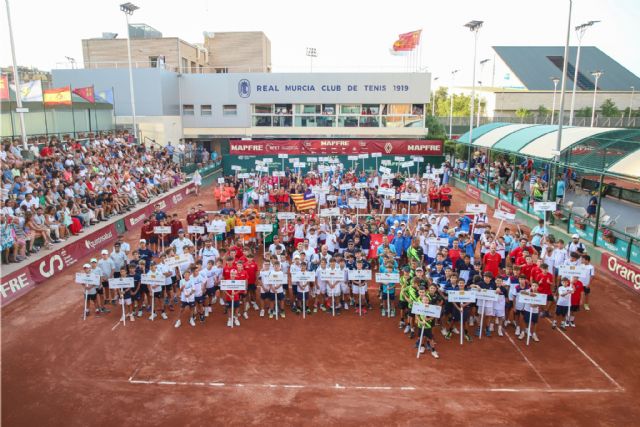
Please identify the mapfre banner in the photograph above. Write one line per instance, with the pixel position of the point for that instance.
(336, 147)
(135, 219)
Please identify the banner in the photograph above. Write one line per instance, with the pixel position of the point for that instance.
(473, 192)
(86, 93)
(105, 96)
(136, 218)
(30, 91)
(265, 147)
(4, 88)
(504, 206)
(625, 273)
(59, 96)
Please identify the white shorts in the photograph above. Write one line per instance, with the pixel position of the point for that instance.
(488, 309)
(359, 290)
(345, 289)
(127, 301)
(335, 292)
(519, 306)
(498, 310)
(321, 288)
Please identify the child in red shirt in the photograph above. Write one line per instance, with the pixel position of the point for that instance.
(545, 284)
(576, 296)
(251, 268)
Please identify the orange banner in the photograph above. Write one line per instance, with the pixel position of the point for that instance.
(4, 88)
(58, 96)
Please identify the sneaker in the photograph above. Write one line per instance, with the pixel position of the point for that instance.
(105, 310)
(164, 316)
(521, 336)
(401, 324)
(245, 315)
(407, 329)
(422, 350)
(392, 313)
(448, 335)
(412, 334)
(221, 301)
(308, 311)
(455, 330)
(97, 311)
(202, 318)
(563, 327)
(255, 306)
(283, 315)
(214, 300)
(346, 305)
(315, 309)
(229, 322)
(270, 314)
(586, 307)
(500, 334)
(435, 354)
(572, 324)
(178, 323)
(206, 311)
(323, 308)
(506, 323)
(153, 316)
(383, 312)
(236, 321)
(554, 325)
(443, 331)
(262, 313)
(132, 318)
(535, 337)
(467, 337)
(192, 322)
(517, 330)
(140, 313)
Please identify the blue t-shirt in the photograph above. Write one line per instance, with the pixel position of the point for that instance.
(560, 186)
(465, 223)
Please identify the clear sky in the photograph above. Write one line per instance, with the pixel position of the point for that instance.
(350, 35)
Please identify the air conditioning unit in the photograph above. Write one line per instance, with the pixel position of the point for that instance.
(109, 36)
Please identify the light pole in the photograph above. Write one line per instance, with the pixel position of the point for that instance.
(474, 27)
(433, 100)
(484, 61)
(128, 9)
(311, 53)
(580, 30)
(563, 86)
(555, 81)
(453, 76)
(16, 80)
(597, 75)
(72, 61)
(633, 89)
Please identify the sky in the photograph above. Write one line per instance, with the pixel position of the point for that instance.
(349, 35)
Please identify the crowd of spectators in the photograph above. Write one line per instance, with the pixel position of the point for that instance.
(60, 187)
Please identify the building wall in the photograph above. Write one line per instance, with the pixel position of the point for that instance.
(239, 51)
(112, 53)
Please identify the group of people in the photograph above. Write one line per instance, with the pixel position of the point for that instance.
(425, 255)
(60, 187)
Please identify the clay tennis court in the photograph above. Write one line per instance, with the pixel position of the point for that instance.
(60, 370)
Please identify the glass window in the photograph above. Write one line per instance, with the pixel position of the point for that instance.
(326, 121)
(188, 110)
(308, 108)
(398, 109)
(263, 108)
(413, 122)
(370, 109)
(350, 109)
(230, 110)
(306, 121)
(153, 61)
(205, 110)
(417, 109)
(348, 121)
(282, 121)
(369, 122)
(392, 121)
(222, 70)
(284, 108)
(262, 121)
(329, 109)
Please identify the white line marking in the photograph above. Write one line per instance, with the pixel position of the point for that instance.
(167, 382)
(293, 386)
(593, 362)
(115, 326)
(216, 384)
(338, 386)
(141, 382)
(527, 360)
(134, 373)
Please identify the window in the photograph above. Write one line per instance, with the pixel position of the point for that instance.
(153, 61)
(263, 108)
(230, 110)
(185, 66)
(306, 121)
(262, 121)
(205, 110)
(188, 110)
(326, 121)
(308, 108)
(350, 109)
(284, 109)
(222, 70)
(348, 121)
(370, 109)
(328, 109)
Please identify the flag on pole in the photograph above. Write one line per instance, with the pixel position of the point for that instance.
(58, 96)
(105, 96)
(30, 91)
(4, 88)
(406, 43)
(304, 201)
(86, 93)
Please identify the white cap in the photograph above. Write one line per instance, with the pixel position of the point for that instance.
(575, 236)
(86, 266)
(143, 241)
(94, 260)
(105, 252)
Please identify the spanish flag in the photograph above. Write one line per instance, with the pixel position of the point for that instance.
(304, 201)
(407, 41)
(58, 96)
(86, 93)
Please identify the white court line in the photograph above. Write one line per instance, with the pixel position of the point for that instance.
(382, 388)
(527, 360)
(116, 325)
(593, 362)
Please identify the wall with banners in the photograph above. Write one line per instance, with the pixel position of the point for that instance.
(20, 282)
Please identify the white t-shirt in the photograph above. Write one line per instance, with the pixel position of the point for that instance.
(187, 288)
(564, 301)
(209, 254)
(179, 244)
(588, 272)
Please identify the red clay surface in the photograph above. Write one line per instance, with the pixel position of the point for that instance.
(60, 370)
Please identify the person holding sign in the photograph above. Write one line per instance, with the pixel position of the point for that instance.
(276, 291)
(302, 292)
(90, 293)
(531, 312)
(446, 194)
(576, 296)
(359, 288)
(251, 268)
(125, 296)
(388, 290)
(461, 312)
(187, 294)
(156, 294)
(425, 324)
(563, 303)
(199, 286)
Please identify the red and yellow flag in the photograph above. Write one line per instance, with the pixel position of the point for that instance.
(86, 93)
(304, 201)
(407, 41)
(58, 96)
(4, 88)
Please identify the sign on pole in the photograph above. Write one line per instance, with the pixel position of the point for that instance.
(386, 191)
(438, 241)
(176, 261)
(544, 206)
(387, 277)
(476, 208)
(332, 275)
(264, 228)
(359, 274)
(162, 230)
(504, 216)
(121, 283)
(217, 227)
(429, 310)
(570, 271)
(330, 212)
(461, 296)
(88, 279)
(303, 276)
(195, 229)
(233, 285)
(286, 216)
(242, 229)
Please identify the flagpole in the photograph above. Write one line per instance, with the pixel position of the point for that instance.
(44, 112)
(73, 114)
(115, 116)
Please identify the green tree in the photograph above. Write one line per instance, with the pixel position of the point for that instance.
(523, 113)
(609, 108)
(436, 130)
(542, 111)
(461, 103)
(634, 113)
(583, 112)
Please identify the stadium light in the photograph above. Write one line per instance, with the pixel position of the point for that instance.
(597, 75)
(311, 53)
(580, 30)
(128, 9)
(474, 27)
(555, 81)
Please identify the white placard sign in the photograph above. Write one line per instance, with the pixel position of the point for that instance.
(283, 156)
(502, 215)
(267, 160)
(385, 162)
(332, 198)
(221, 180)
(352, 158)
(233, 285)
(359, 274)
(303, 276)
(176, 260)
(387, 277)
(300, 165)
(399, 159)
(476, 208)
(242, 229)
(386, 191)
(570, 271)
(152, 279)
(264, 228)
(544, 206)
(486, 295)
(88, 279)
(162, 230)
(320, 190)
(387, 176)
(363, 156)
(236, 168)
(384, 169)
(361, 185)
(533, 299)
(294, 160)
(461, 296)
(408, 164)
(439, 241)
(278, 174)
(262, 168)
(426, 310)
(276, 278)
(244, 175)
(121, 283)
(195, 229)
(330, 212)
(374, 155)
(357, 203)
(431, 176)
(283, 216)
(347, 186)
(418, 159)
(217, 227)
(410, 197)
(332, 275)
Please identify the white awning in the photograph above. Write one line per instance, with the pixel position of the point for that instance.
(490, 138)
(629, 165)
(544, 146)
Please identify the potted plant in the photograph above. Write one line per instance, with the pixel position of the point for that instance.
(608, 235)
(579, 223)
(492, 185)
(519, 195)
(504, 190)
